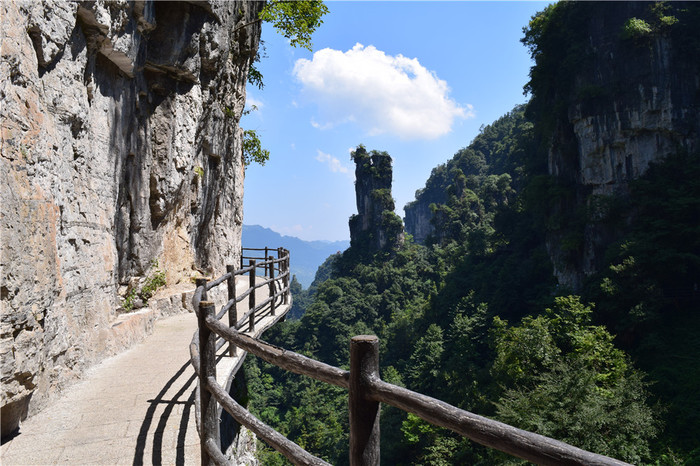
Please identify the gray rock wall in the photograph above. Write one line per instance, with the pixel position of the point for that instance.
(635, 102)
(417, 218)
(120, 146)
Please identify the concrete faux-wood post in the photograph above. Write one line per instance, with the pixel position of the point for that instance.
(364, 413)
(203, 283)
(251, 296)
(232, 316)
(265, 259)
(203, 393)
(285, 279)
(271, 276)
(207, 356)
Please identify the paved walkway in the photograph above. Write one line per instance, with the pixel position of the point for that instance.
(134, 408)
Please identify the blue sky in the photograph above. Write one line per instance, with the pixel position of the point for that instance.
(415, 79)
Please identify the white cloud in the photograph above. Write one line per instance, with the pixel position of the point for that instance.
(383, 93)
(318, 125)
(253, 102)
(334, 165)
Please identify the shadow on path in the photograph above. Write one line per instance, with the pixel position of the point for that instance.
(165, 418)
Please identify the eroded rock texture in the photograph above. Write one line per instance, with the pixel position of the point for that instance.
(120, 146)
(633, 101)
(375, 226)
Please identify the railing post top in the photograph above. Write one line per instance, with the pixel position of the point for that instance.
(200, 282)
(364, 339)
(230, 268)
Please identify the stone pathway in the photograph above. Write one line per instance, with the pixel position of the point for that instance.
(134, 408)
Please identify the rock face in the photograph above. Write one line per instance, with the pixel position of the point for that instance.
(120, 146)
(418, 216)
(635, 101)
(376, 226)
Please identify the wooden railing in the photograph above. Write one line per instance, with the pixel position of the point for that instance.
(366, 392)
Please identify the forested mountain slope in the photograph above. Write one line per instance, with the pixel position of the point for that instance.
(557, 301)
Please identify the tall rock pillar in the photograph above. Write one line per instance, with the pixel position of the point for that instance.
(375, 227)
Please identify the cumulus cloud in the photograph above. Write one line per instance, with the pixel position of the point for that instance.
(382, 93)
(334, 165)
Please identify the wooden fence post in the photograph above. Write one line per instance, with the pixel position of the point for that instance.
(207, 356)
(285, 280)
(232, 315)
(203, 283)
(266, 264)
(271, 275)
(364, 413)
(251, 296)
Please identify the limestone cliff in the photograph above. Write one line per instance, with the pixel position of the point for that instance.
(418, 215)
(120, 146)
(376, 226)
(615, 87)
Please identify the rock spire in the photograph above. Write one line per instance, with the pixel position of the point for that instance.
(375, 227)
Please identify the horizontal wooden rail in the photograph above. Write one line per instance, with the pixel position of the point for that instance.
(282, 358)
(239, 298)
(205, 344)
(260, 284)
(214, 452)
(218, 281)
(503, 437)
(224, 309)
(508, 439)
(279, 442)
(366, 389)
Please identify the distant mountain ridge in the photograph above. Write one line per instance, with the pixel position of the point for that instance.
(305, 256)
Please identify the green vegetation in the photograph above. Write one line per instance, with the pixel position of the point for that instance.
(441, 312)
(155, 279)
(658, 22)
(636, 28)
(252, 149)
(649, 293)
(474, 317)
(646, 290)
(567, 380)
(295, 20)
(129, 301)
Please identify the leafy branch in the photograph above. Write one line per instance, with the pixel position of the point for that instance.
(252, 148)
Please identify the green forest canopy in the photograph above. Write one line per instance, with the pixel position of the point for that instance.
(475, 317)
